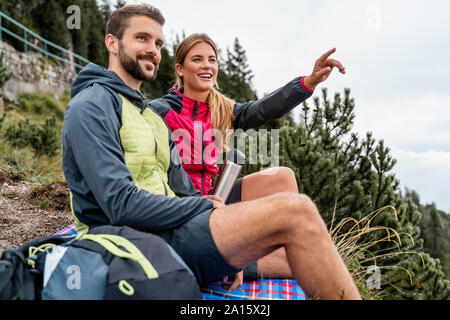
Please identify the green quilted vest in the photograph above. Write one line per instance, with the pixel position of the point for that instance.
(145, 142)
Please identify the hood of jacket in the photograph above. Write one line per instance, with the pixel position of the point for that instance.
(93, 73)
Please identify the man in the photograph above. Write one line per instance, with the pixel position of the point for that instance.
(123, 168)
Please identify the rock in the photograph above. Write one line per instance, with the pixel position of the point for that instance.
(10, 97)
(31, 73)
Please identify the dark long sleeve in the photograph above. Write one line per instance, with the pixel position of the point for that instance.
(273, 106)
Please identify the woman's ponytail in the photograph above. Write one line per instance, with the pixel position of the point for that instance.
(221, 108)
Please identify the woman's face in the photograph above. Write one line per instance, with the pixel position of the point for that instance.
(199, 69)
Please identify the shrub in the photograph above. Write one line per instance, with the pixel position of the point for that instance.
(43, 139)
(40, 103)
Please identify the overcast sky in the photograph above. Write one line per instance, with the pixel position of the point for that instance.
(396, 55)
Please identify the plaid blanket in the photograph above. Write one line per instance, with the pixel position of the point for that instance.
(262, 289)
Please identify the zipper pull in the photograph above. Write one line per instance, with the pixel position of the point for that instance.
(194, 112)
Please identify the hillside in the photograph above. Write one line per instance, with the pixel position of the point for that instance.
(349, 177)
(29, 210)
(34, 198)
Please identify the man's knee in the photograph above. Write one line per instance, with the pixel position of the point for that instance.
(296, 203)
(299, 211)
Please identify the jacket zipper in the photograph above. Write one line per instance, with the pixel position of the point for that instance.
(165, 189)
(194, 113)
(203, 160)
(156, 150)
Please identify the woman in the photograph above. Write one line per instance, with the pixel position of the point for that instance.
(199, 116)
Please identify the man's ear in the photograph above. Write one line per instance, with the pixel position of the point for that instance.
(179, 70)
(112, 43)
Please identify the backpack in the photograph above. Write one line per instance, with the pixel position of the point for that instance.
(108, 262)
(17, 280)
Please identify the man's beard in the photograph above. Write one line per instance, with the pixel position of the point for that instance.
(132, 66)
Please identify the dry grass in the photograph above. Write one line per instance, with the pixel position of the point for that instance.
(357, 254)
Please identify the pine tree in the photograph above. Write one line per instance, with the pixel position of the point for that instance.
(235, 80)
(96, 28)
(413, 195)
(105, 10)
(120, 4)
(80, 37)
(21, 11)
(435, 230)
(49, 20)
(350, 177)
(436, 235)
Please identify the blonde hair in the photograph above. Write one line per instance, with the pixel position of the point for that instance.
(220, 106)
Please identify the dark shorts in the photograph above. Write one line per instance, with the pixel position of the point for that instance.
(194, 243)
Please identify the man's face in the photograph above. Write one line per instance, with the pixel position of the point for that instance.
(140, 48)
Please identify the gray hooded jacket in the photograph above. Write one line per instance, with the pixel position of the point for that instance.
(96, 157)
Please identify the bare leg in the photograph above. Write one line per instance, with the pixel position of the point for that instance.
(259, 185)
(247, 231)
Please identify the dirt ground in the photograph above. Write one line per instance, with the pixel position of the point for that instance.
(30, 210)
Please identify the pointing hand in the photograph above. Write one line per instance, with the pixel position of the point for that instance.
(322, 69)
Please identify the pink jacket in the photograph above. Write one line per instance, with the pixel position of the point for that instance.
(190, 122)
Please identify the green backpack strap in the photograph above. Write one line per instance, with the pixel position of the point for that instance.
(112, 242)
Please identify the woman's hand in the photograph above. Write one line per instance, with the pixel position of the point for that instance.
(237, 282)
(322, 69)
(218, 202)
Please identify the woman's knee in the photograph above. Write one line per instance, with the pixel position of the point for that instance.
(283, 178)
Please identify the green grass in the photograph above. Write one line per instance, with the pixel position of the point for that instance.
(23, 162)
(39, 103)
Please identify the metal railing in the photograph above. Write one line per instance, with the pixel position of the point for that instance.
(66, 54)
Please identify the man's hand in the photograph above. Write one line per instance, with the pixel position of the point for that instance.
(237, 282)
(322, 69)
(218, 202)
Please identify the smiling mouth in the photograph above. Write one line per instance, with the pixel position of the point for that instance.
(205, 76)
(148, 60)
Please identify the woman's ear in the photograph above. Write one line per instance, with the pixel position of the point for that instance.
(179, 70)
(112, 43)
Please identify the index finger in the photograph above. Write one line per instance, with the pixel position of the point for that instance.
(213, 197)
(236, 284)
(326, 55)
